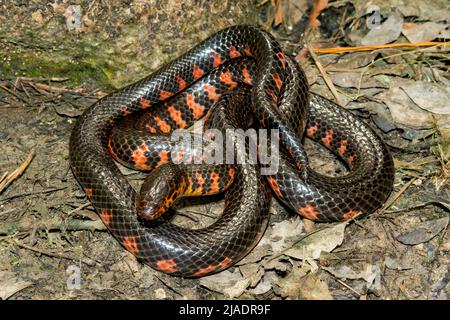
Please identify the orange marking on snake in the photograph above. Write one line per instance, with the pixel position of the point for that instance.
(350, 214)
(234, 53)
(163, 125)
(231, 172)
(175, 115)
(144, 103)
(130, 243)
(205, 271)
(311, 130)
(88, 192)
(163, 95)
(308, 212)
(189, 186)
(139, 158)
(163, 158)
(276, 78)
(227, 78)
(124, 110)
(197, 72)
(217, 59)
(215, 182)
(343, 147)
(351, 159)
(106, 216)
(110, 148)
(150, 128)
(197, 108)
(328, 139)
(225, 263)
(281, 58)
(200, 182)
(273, 183)
(248, 51)
(246, 74)
(168, 266)
(181, 83)
(211, 91)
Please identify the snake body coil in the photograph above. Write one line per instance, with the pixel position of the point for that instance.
(181, 93)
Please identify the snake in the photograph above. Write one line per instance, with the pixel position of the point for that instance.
(183, 91)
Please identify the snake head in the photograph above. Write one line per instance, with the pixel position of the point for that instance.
(159, 191)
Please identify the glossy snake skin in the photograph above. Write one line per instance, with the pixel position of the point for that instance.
(182, 92)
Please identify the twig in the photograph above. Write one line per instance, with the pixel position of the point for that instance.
(56, 255)
(325, 76)
(375, 47)
(396, 196)
(54, 225)
(356, 293)
(6, 181)
(25, 194)
(18, 96)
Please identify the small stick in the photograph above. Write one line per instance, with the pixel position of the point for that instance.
(18, 96)
(31, 193)
(375, 47)
(6, 181)
(324, 75)
(56, 255)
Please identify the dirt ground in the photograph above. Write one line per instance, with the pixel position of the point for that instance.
(54, 246)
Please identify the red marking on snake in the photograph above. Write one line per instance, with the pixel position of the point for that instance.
(106, 216)
(227, 78)
(175, 115)
(163, 125)
(144, 103)
(281, 58)
(110, 148)
(163, 158)
(124, 110)
(274, 185)
(246, 74)
(351, 159)
(181, 83)
(217, 59)
(272, 95)
(248, 51)
(308, 212)
(211, 91)
(168, 266)
(350, 214)
(205, 271)
(343, 147)
(150, 128)
(163, 95)
(277, 79)
(200, 180)
(88, 192)
(215, 182)
(131, 244)
(197, 108)
(328, 139)
(225, 263)
(234, 53)
(311, 131)
(197, 72)
(139, 158)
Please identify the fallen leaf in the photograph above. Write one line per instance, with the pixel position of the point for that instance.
(11, 284)
(404, 111)
(429, 96)
(371, 274)
(324, 240)
(265, 285)
(423, 233)
(231, 284)
(284, 234)
(387, 32)
(419, 32)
